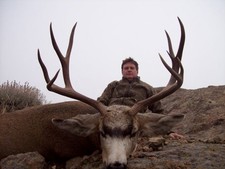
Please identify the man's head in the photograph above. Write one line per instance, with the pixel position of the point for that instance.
(129, 68)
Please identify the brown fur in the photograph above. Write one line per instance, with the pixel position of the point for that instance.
(31, 129)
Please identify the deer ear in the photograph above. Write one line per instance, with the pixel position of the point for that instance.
(152, 124)
(80, 125)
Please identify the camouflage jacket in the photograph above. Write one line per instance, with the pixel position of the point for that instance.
(126, 92)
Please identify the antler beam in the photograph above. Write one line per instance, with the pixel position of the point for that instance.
(68, 89)
(177, 73)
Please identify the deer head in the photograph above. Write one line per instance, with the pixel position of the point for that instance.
(118, 126)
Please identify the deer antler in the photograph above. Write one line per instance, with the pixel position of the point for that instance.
(176, 71)
(68, 89)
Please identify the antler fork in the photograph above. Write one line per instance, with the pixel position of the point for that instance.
(68, 89)
(177, 73)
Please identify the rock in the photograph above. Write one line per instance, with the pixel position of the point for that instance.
(74, 163)
(157, 143)
(31, 160)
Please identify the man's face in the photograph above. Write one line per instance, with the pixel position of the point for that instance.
(129, 71)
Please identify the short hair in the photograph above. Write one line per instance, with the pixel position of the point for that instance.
(129, 60)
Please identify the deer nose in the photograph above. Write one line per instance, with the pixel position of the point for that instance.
(117, 165)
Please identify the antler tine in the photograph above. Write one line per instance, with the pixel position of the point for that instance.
(175, 65)
(177, 73)
(68, 90)
(43, 67)
(64, 60)
(182, 40)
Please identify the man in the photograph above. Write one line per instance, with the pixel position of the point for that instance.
(130, 89)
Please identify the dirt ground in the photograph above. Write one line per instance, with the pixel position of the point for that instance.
(174, 155)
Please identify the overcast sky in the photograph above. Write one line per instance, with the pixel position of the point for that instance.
(107, 32)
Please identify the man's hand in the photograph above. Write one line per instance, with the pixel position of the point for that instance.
(176, 136)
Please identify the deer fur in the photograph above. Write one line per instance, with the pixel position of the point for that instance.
(31, 129)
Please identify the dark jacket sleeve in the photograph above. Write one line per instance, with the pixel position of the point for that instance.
(157, 106)
(107, 93)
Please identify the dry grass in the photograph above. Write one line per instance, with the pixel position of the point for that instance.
(14, 96)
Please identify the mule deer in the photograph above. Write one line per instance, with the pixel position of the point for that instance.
(117, 126)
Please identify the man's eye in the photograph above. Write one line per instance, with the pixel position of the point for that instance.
(131, 68)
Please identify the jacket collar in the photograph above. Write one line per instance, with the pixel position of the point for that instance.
(136, 79)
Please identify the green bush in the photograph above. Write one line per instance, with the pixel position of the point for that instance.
(14, 96)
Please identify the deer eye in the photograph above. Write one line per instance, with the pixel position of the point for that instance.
(134, 132)
(102, 134)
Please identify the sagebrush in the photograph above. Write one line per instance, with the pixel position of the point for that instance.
(14, 96)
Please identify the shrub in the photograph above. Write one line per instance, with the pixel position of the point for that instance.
(14, 96)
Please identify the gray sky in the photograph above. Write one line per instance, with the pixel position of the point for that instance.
(107, 32)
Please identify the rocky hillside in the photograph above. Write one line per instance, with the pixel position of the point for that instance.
(204, 111)
(202, 147)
